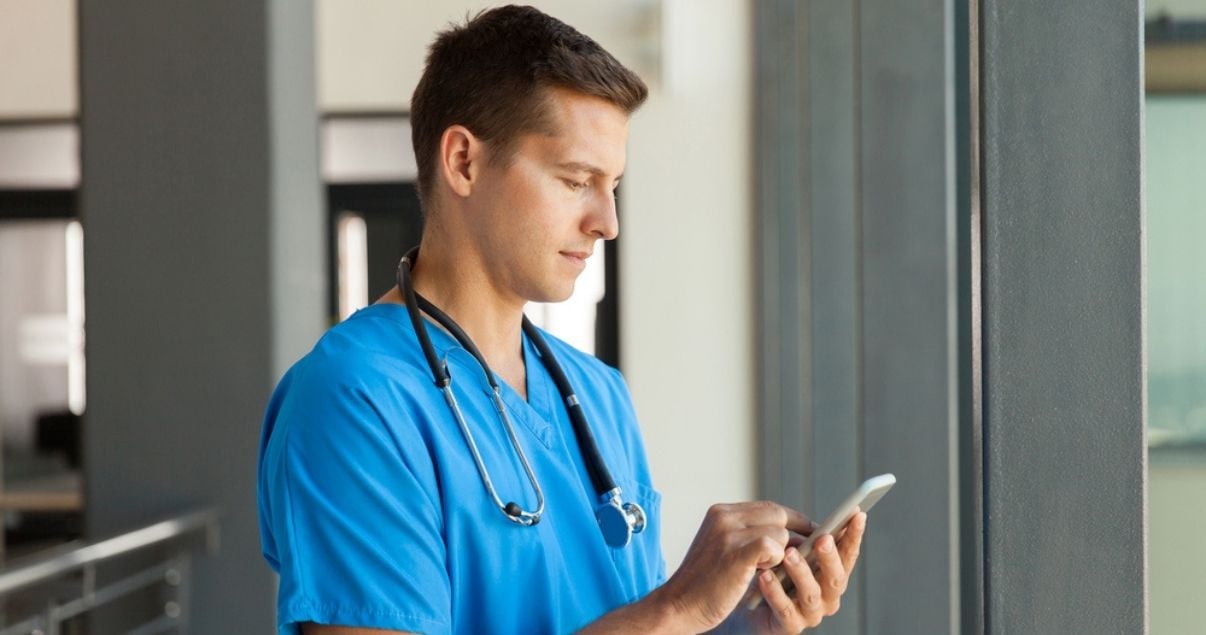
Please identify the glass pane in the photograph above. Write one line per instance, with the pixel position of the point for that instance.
(1176, 302)
(1176, 336)
(41, 381)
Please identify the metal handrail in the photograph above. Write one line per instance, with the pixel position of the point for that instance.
(76, 557)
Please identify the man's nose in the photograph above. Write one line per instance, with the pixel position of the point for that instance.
(603, 221)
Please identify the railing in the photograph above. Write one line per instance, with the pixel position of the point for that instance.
(73, 597)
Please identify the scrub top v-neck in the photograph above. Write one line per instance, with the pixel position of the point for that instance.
(373, 512)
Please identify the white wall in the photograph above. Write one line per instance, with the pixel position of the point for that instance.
(38, 59)
(687, 268)
(686, 205)
(371, 52)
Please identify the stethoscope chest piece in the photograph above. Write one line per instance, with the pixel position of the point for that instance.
(619, 521)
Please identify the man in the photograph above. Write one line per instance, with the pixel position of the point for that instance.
(386, 503)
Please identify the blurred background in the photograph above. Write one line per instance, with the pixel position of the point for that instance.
(957, 240)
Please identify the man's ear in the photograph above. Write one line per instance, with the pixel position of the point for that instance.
(461, 157)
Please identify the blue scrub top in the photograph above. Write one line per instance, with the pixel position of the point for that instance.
(374, 515)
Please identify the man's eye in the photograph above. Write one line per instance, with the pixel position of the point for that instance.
(575, 185)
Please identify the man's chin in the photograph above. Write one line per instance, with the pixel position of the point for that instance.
(553, 295)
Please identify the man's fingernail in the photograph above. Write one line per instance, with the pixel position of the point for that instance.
(825, 544)
(767, 576)
(793, 556)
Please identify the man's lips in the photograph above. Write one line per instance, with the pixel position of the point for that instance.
(576, 258)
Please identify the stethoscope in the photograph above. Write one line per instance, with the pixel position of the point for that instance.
(617, 520)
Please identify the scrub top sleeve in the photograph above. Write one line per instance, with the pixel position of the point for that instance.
(359, 533)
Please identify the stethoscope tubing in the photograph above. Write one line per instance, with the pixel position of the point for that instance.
(600, 476)
(617, 520)
(443, 381)
(524, 517)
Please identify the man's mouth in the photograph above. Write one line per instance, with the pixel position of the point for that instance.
(578, 257)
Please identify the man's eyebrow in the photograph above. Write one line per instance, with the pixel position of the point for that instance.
(579, 166)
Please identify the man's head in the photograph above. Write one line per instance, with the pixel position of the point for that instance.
(493, 75)
(520, 130)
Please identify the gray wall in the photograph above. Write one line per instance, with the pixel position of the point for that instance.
(860, 337)
(204, 259)
(1064, 365)
(910, 346)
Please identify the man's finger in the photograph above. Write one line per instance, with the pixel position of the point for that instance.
(809, 599)
(852, 540)
(771, 514)
(761, 546)
(832, 577)
(798, 522)
(782, 608)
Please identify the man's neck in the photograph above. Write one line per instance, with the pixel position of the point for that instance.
(461, 287)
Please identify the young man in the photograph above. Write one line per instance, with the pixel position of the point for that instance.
(392, 499)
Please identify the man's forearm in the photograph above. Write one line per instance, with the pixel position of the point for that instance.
(654, 614)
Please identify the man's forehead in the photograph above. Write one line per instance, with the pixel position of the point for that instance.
(594, 156)
(585, 133)
(560, 105)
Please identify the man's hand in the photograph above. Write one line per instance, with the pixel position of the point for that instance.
(817, 594)
(732, 545)
(736, 543)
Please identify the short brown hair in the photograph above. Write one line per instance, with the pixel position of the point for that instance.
(490, 76)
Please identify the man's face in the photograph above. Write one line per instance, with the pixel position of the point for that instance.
(537, 218)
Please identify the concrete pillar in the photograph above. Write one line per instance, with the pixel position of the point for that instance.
(204, 265)
(1064, 365)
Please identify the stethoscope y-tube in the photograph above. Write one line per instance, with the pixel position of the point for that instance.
(617, 520)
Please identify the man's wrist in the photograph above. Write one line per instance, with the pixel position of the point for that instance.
(662, 612)
(668, 613)
(654, 614)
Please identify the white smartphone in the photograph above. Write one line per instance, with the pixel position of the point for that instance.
(862, 499)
